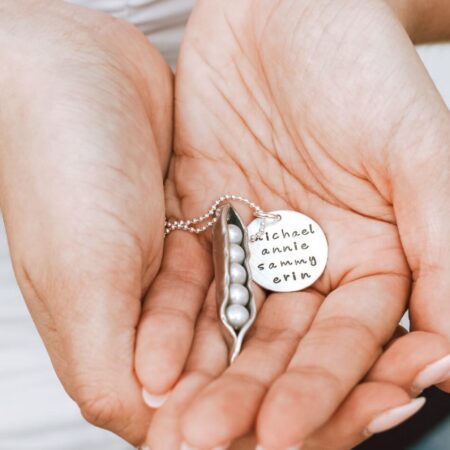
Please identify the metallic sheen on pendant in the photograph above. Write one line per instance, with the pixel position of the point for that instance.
(291, 253)
(235, 303)
(238, 294)
(237, 273)
(237, 254)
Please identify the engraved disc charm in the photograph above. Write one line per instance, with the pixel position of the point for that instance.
(291, 253)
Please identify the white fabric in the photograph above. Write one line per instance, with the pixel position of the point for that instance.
(35, 412)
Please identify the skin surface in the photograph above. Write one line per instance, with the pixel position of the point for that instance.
(387, 385)
(85, 130)
(85, 126)
(344, 125)
(425, 20)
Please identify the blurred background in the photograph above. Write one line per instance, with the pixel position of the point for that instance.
(35, 412)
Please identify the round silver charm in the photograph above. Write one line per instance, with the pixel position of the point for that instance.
(290, 255)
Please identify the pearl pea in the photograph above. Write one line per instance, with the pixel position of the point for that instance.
(235, 234)
(237, 253)
(237, 315)
(239, 294)
(237, 273)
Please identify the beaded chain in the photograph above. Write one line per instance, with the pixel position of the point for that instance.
(213, 215)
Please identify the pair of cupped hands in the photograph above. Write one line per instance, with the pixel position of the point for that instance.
(317, 106)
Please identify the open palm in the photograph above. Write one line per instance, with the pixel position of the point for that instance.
(286, 104)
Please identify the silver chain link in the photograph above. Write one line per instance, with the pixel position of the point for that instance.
(212, 216)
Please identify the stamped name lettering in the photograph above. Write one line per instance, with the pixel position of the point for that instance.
(290, 255)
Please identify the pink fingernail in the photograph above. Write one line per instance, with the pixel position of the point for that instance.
(434, 373)
(395, 416)
(185, 446)
(154, 401)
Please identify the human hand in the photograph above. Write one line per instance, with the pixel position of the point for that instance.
(325, 108)
(85, 129)
(383, 399)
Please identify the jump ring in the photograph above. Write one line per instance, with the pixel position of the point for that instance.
(266, 215)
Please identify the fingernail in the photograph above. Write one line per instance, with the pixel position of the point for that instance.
(395, 416)
(154, 401)
(432, 374)
(185, 446)
(143, 447)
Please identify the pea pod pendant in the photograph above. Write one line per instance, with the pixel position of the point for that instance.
(235, 301)
(281, 251)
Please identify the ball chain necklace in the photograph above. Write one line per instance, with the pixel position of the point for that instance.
(281, 251)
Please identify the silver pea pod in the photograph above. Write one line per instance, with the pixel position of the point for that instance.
(235, 301)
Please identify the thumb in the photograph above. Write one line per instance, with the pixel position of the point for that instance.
(421, 192)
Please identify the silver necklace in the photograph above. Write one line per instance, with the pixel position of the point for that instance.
(282, 251)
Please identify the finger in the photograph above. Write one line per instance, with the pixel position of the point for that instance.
(397, 367)
(227, 408)
(170, 312)
(424, 228)
(372, 407)
(414, 362)
(207, 359)
(352, 325)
